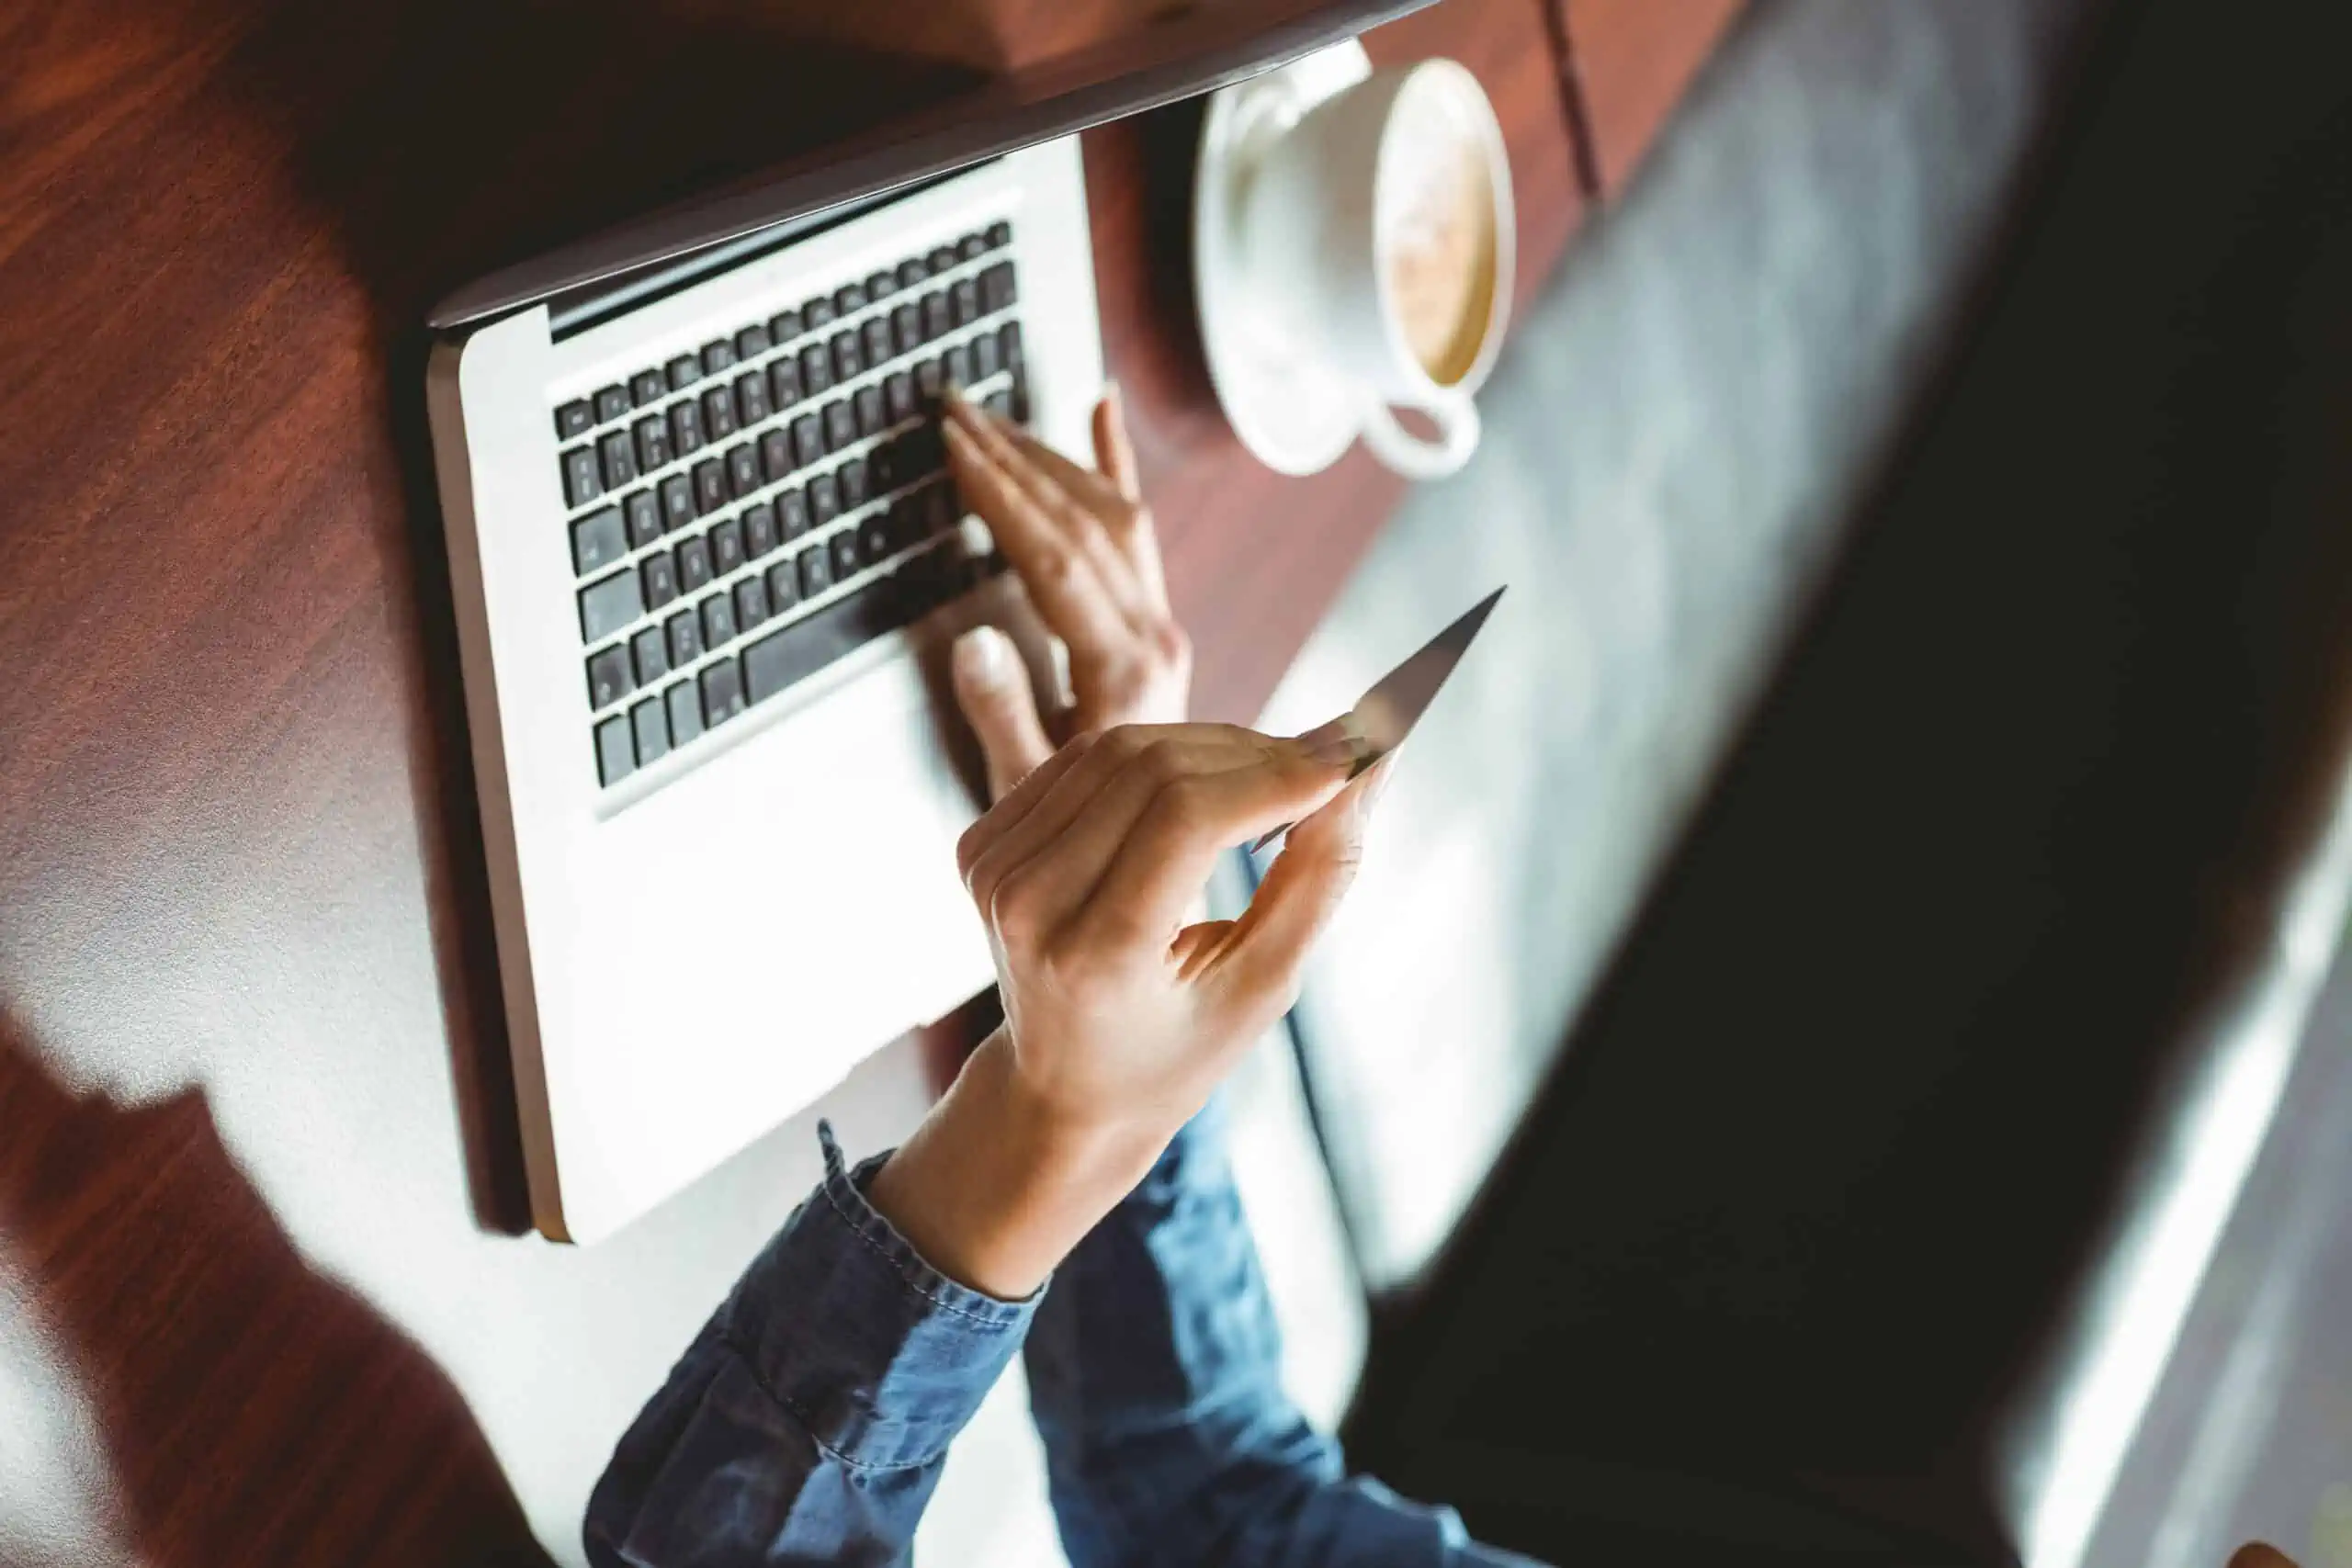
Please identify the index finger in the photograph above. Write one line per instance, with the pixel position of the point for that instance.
(1070, 598)
(1164, 863)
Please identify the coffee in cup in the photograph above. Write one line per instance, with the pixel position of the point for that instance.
(1439, 252)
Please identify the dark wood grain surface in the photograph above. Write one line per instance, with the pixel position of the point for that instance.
(258, 1303)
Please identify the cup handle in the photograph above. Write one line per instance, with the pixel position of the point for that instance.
(1456, 419)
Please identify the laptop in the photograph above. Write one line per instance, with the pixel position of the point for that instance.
(706, 561)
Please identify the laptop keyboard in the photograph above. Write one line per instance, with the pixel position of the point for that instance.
(742, 517)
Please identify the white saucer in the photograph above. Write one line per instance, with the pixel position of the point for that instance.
(1293, 415)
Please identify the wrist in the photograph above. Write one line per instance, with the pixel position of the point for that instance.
(999, 1183)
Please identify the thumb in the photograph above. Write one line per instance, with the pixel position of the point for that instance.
(1301, 892)
(992, 688)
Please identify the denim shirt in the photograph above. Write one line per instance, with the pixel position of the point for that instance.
(809, 1420)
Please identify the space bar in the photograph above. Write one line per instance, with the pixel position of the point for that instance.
(807, 646)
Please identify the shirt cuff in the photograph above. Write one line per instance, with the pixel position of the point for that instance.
(878, 1354)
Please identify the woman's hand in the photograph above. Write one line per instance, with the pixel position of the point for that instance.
(1121, 1014)
(1083, 545)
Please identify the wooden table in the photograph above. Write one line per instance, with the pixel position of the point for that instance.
(257, 1164)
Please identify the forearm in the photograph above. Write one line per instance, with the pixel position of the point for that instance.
(1155, 1375)
(809, 1420)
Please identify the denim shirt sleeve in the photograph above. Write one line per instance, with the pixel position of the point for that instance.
(1155, 1376)
(808, 1421)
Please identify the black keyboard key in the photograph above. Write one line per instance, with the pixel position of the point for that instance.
(942, 259)
(843, 549)
(718, 414)
(784, 587)
(791, 515)
(824, 499)
(605, 607)
(677, 502)
(784, 658)
(619, 455)
(937, 317)
(643, 510)
(816, 370)
(840, 426)
(652, 728)
(775, 454)
(684, 632)
(759, 529)
(971, 246)
(1000, 403)
(955, 366)
(899, 397)
(927, 379)
(851, 477)
(752, 342)
(816, 571)
(581, 484)
(574, 419)
(873, 540)
(694, 565)
(1017, 406)
(911, 273)
(616, 751)
(718, 357)
(750, 397)
(726, 546)
(611, 404)
(783, 383)
(784, 327)
(849, 297)
(816, 313)
(743, 474)
(683, 372)
(685, 427)
(964, 301)
(722, 693)
(886, 463)
(751, 603)
(649, 651)
(906, 327)
(608, 677)
(881, 285)
(807, 440)
(710, 485)
(1007, 345)
(652, 443)
(997, 291)
(999, 235)
(598, 540)
(868, 403)
(659, 576)
(646, 388)
(877, 335)
(985, 359)
(718, 621)
(685, 713)
(847, 359)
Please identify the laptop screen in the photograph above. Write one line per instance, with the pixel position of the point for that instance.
(1153, 63)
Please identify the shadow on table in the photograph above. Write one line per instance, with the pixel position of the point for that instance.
(253, 1410)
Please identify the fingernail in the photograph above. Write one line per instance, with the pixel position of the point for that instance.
(983, 658)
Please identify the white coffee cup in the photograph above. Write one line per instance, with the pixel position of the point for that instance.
(1379, 210)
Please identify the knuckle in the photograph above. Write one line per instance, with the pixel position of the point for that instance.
(1162, 761)
(1170, 645)
(1014, 910)
(1057, 566)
